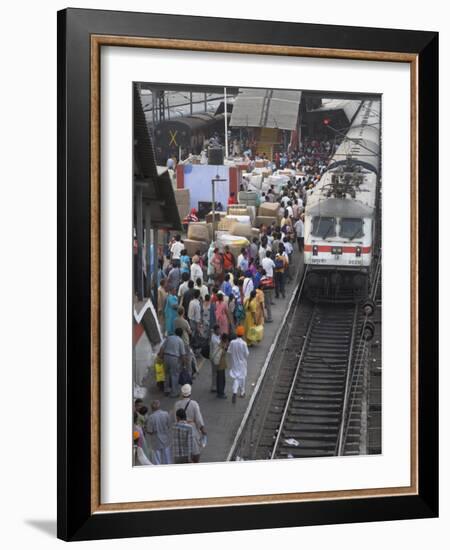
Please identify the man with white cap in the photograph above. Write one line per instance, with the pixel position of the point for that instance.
(194, 418)
(238, 351)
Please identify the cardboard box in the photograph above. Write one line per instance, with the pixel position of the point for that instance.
(249, 198)
(237, 210)
(242, 230)
(255, 233)
(198, 231)
(220, 233)
(226, 224)
(210, 230)
(192, 246)
(219, 216)
(235, 243)
(269, 209)
(265, 220)
(249, 210)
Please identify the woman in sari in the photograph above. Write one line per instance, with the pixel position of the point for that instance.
(170, 311)
(222, 315)
(259, 307)
(231, 312)
(250, 307)
(217, 266)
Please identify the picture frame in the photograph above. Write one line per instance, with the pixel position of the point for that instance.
(81, 35)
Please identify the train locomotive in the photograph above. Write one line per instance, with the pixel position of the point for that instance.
(186, 132)
(341, 214)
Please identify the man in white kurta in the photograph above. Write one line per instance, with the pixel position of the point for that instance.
(238, 352)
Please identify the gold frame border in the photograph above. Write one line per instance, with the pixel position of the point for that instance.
(97, 41)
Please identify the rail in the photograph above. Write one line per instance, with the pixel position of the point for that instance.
(288, 400)
(340, 444)
(306, 406)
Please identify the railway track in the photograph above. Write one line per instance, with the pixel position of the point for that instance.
(312, 418)
(311, 401)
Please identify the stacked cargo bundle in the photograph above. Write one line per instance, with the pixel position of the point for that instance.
(278, 181)
(183, 200)
(242, 229)
(269, 209)
(218, 215)
(265, 220)
(249, 198)
(199, 237)
(235, 242)
(192, 246)
(255, 233)
(268, 214)
(237, 209)
(255, 181)
(226, 224)
(242, 210)
(198, 231)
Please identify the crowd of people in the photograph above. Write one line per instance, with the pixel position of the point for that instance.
(215, 305)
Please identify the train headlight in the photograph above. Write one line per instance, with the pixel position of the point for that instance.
(315, 250)
(358, 252)
(337, 250)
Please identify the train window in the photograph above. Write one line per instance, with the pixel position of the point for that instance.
(323, 227)
(351, 228)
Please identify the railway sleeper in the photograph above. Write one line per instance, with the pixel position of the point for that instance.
(314, 406)
(321, 372)
(333, 391)
(321, 369)
(331, 333)
(338, 346)
(311, 429)
(302, 395)
(306, 437)
(322, 354)
(353, 439)
(310, 419)
(310, 444)
(306, 424)
(321, 377)
(303, 453)
(314, 385)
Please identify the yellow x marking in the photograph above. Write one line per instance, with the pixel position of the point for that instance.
(173, 135)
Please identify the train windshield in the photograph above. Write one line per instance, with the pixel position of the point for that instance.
(323, 227)
(351, 228)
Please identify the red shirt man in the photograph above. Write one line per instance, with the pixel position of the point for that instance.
(228, 260)
(232, 199)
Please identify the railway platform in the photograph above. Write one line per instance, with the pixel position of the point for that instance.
(222, 417)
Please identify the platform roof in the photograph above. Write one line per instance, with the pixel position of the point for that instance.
(266, 108)
(348, 106)
(155, 182)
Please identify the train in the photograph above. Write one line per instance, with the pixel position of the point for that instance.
(188, 133)
(342, 214)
